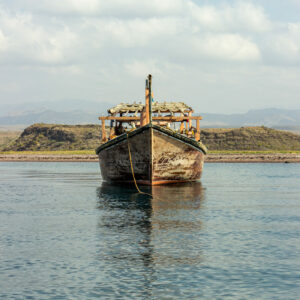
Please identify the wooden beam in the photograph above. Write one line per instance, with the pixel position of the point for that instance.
(182, 124)
(181, 127)
(175, 118)
(197, 135)
(161, 123)
(143, 117)
(104, 139)
(173, 111)
(112, 133)
(161, 118)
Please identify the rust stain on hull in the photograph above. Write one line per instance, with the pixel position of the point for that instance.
(115, 163)
(174, 160)
(157, 158)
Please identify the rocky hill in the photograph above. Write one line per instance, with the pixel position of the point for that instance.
(84, 137)
(57, 137)
(250, 138)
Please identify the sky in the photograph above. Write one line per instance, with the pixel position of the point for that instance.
(217, 56)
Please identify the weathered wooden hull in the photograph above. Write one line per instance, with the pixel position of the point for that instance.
(158, 157)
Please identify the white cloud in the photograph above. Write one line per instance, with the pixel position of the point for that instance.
(251, 17)
(228, 47)
(138, 32)
(284, 46)
(142, 8)
(110, 39)
(3, 42)
(140, 68)
(193, 31)
(62, 6)
(243, 16)
(60, 69)
(113, 8)
(28, 41)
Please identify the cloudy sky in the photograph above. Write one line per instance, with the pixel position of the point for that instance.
(218, 56)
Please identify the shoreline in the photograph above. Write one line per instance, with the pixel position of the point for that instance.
(253, 158)
(210, 158)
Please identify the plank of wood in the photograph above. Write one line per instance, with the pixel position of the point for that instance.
(162, 118)
(103, 131)
(197, 135)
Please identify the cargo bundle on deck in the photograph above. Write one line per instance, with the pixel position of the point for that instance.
(152, 143)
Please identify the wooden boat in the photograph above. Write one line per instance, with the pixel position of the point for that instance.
(148, 150)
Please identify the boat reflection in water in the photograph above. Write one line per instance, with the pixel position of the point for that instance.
(142, 239)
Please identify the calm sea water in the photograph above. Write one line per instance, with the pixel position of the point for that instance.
(64, 234)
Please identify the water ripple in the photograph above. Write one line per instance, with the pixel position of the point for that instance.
(65, 234)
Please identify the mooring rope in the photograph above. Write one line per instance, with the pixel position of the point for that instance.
(130, 159)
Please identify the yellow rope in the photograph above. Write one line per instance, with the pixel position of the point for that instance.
(129, 152)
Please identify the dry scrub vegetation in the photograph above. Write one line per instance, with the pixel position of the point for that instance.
(7, 137)
(56, 137)
(250, 139)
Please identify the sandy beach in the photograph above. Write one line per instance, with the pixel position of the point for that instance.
(213, 158)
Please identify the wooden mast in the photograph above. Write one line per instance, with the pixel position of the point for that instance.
(146, 114)
(150, 97)
(146, 121)
(151, 130)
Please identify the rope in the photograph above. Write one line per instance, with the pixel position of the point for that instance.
(130, 159)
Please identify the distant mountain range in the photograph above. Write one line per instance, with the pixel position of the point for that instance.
(71, 112)
(51, 117)
(8, 109)
(60, 112)
(270, 117)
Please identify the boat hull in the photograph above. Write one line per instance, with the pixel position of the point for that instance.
(158, 157)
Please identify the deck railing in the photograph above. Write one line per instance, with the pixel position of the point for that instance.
(186, 122)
